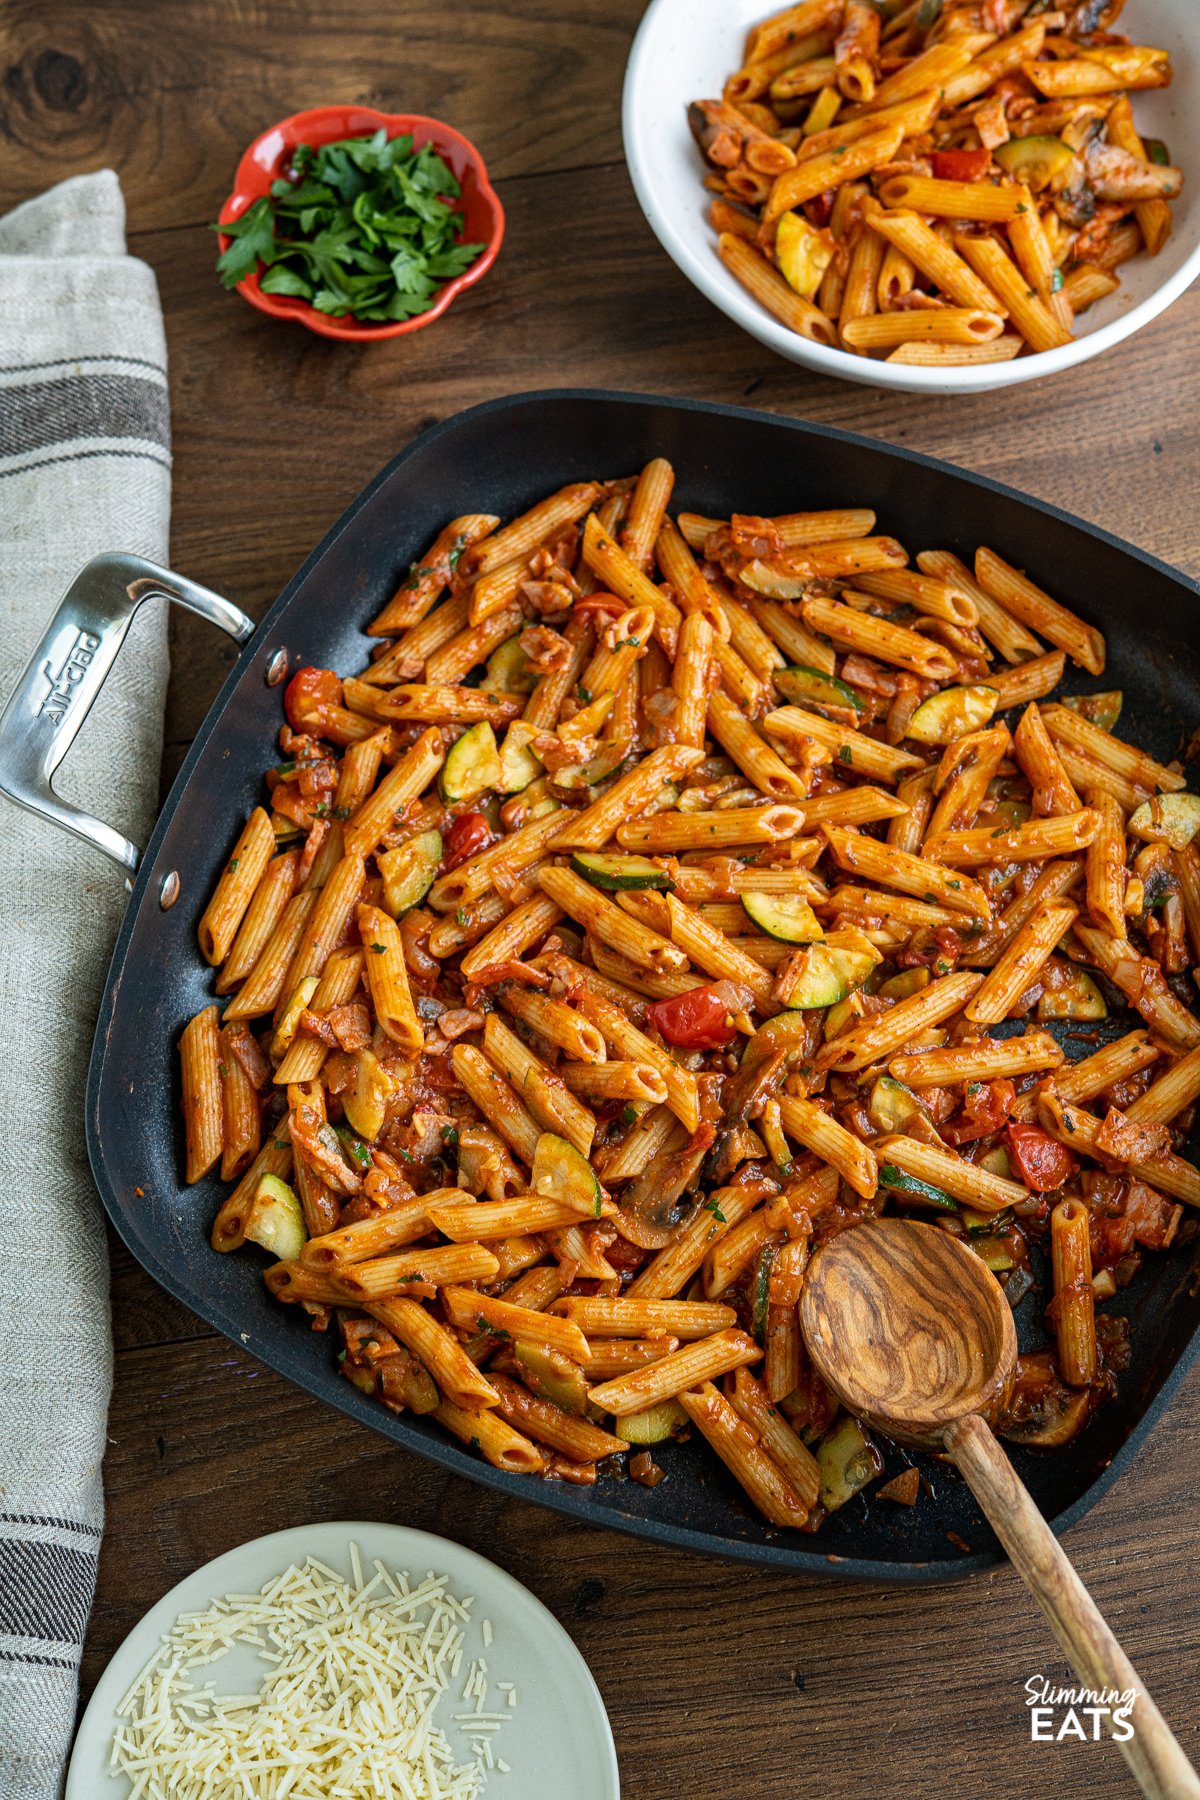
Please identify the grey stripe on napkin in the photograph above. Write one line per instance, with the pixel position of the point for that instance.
(84, 467)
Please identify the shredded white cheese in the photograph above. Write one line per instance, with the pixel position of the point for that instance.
(356, 1671)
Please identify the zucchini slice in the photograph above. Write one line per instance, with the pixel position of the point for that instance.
(841, 1015)
(289, 1018)
(1009, 814)
(833, 968)
(618, 874)
(365, 1101)
(994, 1251)
(472, 765)
(509, 670)
(916, 1190)
(554, 1376)
(891, 1105)
(987, 1224)
(560, 1173)
(783, 916)
(802, 253)
(848, 1460)
(802, 683)
(1077, 997)
(951, 713)
(908, 982)
(761, 1291)
(519, 765)
(1039, 162)
(1102, 709)
(276, 1219)
(654, 1425)
(606, 762)
(1167, 819)
(408, 872)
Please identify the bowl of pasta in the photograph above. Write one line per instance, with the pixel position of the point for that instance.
(937, 199)
(703, 832)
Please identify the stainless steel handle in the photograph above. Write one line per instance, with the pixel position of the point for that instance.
(54, 693)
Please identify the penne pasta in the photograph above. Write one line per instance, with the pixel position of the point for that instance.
(915, 875)
(235, 890)
(985, 1060)
(1074, 1297)
(884, 1032)
(203, 1107)
(569, 1004)
(819, 1132)
(967, 1182)
(684, 1368)
(1014, 591)
(741, 1449)
(1021, 962)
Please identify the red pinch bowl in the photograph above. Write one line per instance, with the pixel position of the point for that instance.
(268, 156)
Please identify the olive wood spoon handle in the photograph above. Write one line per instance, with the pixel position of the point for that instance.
(912, 1332)
(1153, 1753)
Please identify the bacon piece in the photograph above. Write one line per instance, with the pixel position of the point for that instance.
(544, 649)
(313, 1025)
(318, 832)
(244, 1046)
(350, 1025)
(1127, 1142)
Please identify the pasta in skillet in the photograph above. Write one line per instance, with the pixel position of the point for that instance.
(666, 894)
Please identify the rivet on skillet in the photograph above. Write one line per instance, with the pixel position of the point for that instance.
(168, 892)
(277, 667)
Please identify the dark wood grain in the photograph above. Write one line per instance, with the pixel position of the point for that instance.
(719, 1681)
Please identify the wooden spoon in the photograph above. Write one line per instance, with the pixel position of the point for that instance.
(912, 1332)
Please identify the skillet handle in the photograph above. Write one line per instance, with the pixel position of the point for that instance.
(62, 678)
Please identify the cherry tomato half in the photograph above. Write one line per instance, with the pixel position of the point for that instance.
(1038, 1160)
(469, 834)
(697, 1020)
(960, 165)
(307, 695)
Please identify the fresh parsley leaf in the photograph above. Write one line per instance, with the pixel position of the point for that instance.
(253, 242)
(282, 280)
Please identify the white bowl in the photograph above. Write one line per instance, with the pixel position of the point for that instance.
(685, 49)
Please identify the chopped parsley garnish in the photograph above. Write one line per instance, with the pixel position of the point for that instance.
(366, 227)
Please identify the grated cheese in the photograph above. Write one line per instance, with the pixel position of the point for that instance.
(355, 1673)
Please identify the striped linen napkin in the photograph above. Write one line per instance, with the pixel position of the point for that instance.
(84, 467)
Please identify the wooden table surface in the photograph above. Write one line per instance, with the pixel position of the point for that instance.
(718, 1680)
